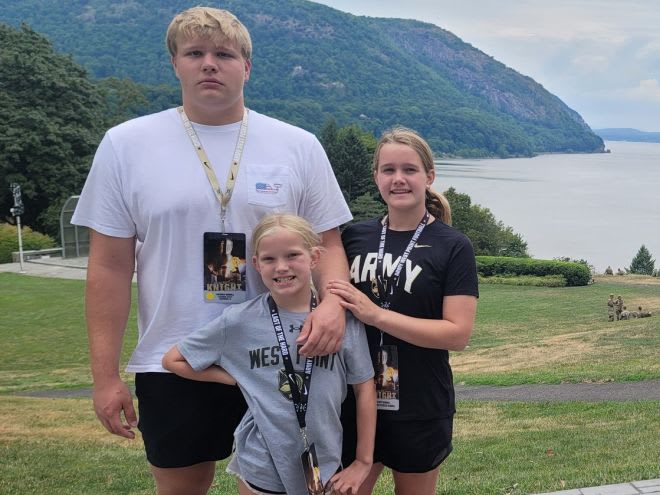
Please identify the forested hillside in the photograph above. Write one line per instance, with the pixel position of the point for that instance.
(312, 62)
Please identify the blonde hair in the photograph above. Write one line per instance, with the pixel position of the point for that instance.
(436, 203)
(206, 22)
(270, 224)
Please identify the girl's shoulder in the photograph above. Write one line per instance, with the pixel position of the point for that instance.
(446, 233)
(252, 307)
(361, 228)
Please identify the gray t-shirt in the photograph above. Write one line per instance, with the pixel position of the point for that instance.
(268, 441)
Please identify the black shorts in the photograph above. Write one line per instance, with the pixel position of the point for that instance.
(413, 446)
(404, 446)
(185, 422)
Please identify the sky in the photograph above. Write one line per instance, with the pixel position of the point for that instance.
(601, 57)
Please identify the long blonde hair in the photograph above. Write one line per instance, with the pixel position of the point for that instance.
(436, 203)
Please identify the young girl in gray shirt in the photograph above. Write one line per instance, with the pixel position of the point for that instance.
(293, 413)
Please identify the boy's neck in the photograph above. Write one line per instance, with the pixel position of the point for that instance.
(211, 117)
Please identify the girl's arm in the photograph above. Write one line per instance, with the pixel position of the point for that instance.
(451, 333)
(174, 361)
(348, 481)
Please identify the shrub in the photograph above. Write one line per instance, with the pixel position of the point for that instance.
(575, 273)
(529, 280)
(31, 240)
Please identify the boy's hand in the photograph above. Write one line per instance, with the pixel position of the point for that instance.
(110, 400)
(323, 330)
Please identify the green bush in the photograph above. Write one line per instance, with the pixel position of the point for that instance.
(31, 240)
(574, 273)
(528, 280)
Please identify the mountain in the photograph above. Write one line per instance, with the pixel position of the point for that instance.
(627, 134)
(312, 62)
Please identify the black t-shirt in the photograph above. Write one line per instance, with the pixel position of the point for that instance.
(442, 263)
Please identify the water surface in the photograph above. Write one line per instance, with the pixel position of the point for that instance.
(599, 207)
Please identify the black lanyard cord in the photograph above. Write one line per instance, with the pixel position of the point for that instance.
(386, 287)
(299, 396)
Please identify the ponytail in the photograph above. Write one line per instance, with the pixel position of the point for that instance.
(438, 206)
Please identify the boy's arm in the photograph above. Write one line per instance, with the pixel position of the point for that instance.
(174, 361)
(323, 331)
(349, 480)
(107, 305)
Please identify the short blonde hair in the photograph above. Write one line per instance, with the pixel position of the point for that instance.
(270, 224)
(436, 203)
(207, 22)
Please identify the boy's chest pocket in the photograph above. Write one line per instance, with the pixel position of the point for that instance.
(268, 185)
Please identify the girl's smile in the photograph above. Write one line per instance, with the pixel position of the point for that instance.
(402, 180)
(285, 265)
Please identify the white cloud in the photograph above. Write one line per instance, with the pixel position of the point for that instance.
(590, 63)
(649, 50)
(647, 90)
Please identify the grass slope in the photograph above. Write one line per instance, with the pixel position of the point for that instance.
(523, 335)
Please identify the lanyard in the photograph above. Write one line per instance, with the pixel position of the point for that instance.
(223, 198)
(300, 397)
(386, 287)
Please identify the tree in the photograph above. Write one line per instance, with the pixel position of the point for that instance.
(365, 207)
(350, 150)
(642, 263)
(489, 237)
(51, 120)
(124, 99)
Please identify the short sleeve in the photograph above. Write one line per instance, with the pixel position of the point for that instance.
(324, 205)
(356, 352)
(102, 204)
(203, 347)
(462, 277)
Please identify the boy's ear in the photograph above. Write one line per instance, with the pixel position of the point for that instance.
(255, 264)
(173, 61)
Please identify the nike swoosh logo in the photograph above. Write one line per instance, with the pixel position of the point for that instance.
(422, 245)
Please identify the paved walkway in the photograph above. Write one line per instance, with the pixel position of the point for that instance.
(56, 267)
(586, 392)
(75, 268)
(72, 268)
(634, 488)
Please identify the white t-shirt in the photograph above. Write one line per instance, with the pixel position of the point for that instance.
(147, 181)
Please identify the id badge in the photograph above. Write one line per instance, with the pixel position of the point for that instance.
(387, 378)
(224, 267)
(310, 465)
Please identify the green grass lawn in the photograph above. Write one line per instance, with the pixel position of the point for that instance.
(523, 335)
(554, 335)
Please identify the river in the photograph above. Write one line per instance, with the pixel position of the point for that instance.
(598, 207)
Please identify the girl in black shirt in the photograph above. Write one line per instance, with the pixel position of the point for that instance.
(414, 285)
